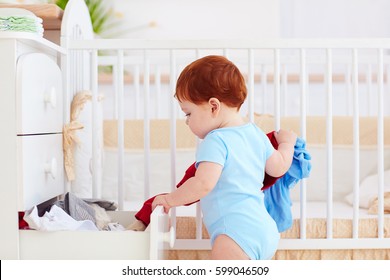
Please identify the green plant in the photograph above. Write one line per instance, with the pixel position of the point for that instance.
(102, 16)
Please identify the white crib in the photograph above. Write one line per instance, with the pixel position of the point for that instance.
(325, 86)
(333, 93)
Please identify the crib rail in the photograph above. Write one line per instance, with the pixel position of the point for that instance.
(271, 68)
(269, 43)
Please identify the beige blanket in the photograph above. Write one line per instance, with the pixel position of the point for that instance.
(316, 131)
(342, 128)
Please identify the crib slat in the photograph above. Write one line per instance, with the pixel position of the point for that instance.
(115, 84)
(284, 83)
(198, 209)
(329, 143)
(303, 86)
(387, 89)
(303, 95)
(355, 91)
(172, 84)
(96, 182)
(72, 72)
(121, 132)
(264, 87)
(80, 82)
(199, 222)
(67, 92)
(157, 83)
(349, 90)
(380, 135)
(369, 89)
(137, 91)
(251, 85)
(146, 125)
(225, 53)
(277, 88)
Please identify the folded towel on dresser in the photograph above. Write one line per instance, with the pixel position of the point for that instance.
(20, 20)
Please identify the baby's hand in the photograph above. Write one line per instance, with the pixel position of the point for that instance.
(285, 136)
(161, 200)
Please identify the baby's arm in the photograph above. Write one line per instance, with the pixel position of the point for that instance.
(206, 177)
(280, 161)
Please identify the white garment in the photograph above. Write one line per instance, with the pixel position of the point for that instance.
(115, 227)
(56, 219)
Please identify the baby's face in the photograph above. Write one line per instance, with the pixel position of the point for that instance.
(198, 117)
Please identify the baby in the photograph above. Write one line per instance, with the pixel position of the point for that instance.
(231, 161)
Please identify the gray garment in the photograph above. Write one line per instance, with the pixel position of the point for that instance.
(77, 208)
(108, 205)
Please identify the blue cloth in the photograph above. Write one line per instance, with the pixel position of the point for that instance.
(277, 198)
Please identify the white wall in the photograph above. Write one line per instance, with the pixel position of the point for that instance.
(335, 18)
(220, 19)
(201, 19)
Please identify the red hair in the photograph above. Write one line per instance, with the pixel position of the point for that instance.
(212, 76)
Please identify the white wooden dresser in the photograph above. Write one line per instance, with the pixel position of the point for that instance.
(34, 105)
(31, 121)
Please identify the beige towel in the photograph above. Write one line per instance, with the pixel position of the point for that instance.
(69, 139)
(69, 135)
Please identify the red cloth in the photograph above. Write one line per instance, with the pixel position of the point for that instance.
(22, 223)
(268, 180)
(144, 213)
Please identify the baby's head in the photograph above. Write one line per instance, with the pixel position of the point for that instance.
(212, 76)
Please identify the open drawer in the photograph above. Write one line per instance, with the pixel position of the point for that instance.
(63, 245)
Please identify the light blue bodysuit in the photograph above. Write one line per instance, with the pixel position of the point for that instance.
(235, 207)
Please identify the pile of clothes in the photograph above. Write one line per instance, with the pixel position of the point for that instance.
(20, 20)
(73, 213)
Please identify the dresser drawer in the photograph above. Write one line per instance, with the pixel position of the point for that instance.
(40, 169)
(38, 95)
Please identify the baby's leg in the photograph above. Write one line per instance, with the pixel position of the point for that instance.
(225, 248)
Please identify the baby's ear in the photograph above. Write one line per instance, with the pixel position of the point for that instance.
(215, 105)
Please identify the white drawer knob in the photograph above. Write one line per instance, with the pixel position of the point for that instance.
(51, 168)
(51, 97)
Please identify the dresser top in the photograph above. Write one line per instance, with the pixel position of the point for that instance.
(33, 40)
